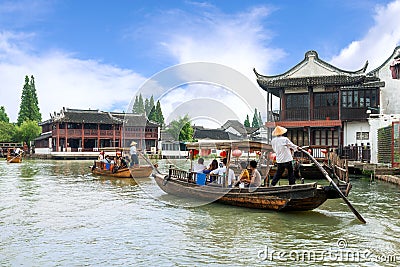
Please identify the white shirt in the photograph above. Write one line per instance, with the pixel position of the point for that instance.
(133, 150)
(221, 171)
(199, 167)
(282, 145)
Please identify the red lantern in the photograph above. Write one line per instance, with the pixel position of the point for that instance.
(272, 156)
(236, 153)
(205, 152)
(223, 154)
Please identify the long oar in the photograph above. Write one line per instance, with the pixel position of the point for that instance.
(149, 162)
(358, 215)
(14, 157)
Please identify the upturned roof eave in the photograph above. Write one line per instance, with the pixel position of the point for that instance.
(317, 59)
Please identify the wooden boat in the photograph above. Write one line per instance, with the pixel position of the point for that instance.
(118, 167)
(12, 157)
(299, 197)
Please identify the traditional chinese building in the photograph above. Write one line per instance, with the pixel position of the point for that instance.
(321, 104)
(76, 130)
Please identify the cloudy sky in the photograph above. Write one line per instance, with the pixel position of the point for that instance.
(98, 54)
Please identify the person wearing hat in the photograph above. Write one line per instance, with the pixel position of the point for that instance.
(282, 147)
(133, 152)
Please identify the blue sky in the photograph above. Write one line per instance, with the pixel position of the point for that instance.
(96, 54)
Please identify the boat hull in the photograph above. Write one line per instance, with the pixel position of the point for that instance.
(299, 197)
(136, 172)
(11, 159)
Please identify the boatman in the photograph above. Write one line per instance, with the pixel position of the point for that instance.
(282, 145)
(133, 152)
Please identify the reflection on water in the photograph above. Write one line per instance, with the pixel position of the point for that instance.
(57, 213)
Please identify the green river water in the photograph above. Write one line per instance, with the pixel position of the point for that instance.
(56, 213)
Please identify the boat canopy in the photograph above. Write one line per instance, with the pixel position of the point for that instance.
(230, 145)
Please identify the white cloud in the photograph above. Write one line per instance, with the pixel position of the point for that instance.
(61, 80)
(238, 41)
(377, 44)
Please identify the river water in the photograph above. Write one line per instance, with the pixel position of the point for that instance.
(55, 213)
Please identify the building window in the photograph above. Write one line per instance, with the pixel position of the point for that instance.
(362, 135)
(359, 98)
(326, 99)
(326, 137)
(294, 101)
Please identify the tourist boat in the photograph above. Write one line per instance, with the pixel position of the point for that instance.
(12, 157)
(298, 197)
(118, 166)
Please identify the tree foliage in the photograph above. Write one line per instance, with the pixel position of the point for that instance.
(27, 131)
(255, 123)
(181, 129)
(7, 132)
(3, 115)
(247, 122)
(159, 117)
(29, 107)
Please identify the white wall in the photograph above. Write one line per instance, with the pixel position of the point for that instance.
(350, 130)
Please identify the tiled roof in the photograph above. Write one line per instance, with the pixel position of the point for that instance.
(312, 71)
(85, 116)
(214, 134)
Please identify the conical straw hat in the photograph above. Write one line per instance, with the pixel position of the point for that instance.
(279, 130)
(133, 143)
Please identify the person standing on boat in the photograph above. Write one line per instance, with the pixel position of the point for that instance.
(282, 147)
(134, 156)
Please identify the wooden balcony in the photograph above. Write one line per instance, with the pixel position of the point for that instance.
(304, 114)
(93, 133)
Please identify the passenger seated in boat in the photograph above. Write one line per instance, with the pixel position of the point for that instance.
(199, 167)
(255, 175)
(244, 177)
(221, 172)
(213, 166)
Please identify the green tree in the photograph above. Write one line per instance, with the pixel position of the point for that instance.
(29, 109)
(27, 131)
(3, 115)
(260, 121)
(159, 117)
(255, 122)
(36, 116)
(7, 131)
(135, 109)
(181, 129)
(141, 105)
(247, 122)
(147, 106)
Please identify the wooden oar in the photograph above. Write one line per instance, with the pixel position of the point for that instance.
(15, 157)
(358, 215)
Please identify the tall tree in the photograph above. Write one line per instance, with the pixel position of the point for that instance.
(181, 129)
(255, 122)
(147, 106)
(152, 108)
(36, 111)
(29, 109)
(247, 121)
(3, 115)
(260, 121)
(135, 109)
(141, 105)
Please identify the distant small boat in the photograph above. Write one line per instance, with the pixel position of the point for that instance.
(118, 167)
(14, 157)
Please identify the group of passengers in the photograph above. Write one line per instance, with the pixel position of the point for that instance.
(116, 162)
(244, 179)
